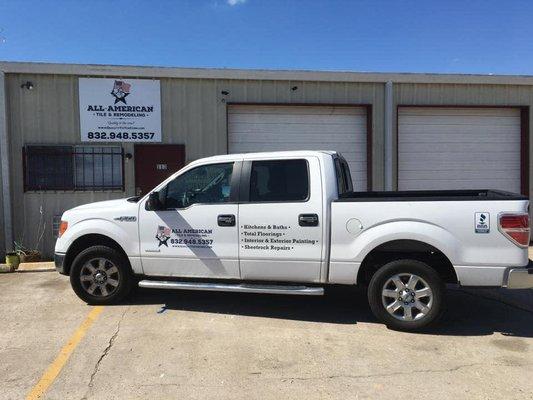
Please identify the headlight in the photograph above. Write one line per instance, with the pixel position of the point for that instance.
(63, 225)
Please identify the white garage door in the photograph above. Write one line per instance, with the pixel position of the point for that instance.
(275, 128)
(458, 148)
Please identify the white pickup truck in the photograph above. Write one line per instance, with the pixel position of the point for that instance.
(289, 222)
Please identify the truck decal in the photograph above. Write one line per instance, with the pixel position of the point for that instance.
(197, 238)
(271, 237)
(482, 222)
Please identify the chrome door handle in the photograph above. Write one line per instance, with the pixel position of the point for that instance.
(226, 220)
(308, 220)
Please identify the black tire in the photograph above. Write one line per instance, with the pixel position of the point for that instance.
(380, 296)
(107, 290)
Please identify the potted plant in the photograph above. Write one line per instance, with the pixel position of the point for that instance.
(12, 260)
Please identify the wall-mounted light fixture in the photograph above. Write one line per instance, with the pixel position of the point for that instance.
(294, 88)
(128, 156)
(224, 93)
(27, 85)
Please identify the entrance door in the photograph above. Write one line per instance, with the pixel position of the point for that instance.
(154, 163)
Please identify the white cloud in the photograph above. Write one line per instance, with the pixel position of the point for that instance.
(235, 2)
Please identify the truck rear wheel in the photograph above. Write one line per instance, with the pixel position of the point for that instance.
(101, 275)
(406, 295)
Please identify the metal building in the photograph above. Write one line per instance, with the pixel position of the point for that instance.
(397, 131)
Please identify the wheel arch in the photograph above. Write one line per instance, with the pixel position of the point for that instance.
(88, 240)
(406, 249)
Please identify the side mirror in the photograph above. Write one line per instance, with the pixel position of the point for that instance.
(153, 203)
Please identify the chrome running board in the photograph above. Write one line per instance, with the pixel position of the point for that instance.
(233, 287)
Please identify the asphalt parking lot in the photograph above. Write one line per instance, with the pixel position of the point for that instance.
(218, 345)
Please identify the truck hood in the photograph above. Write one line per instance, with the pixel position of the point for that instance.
(102, 205)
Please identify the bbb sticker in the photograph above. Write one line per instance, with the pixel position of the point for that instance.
(482, 222)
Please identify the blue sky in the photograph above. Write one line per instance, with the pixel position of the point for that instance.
(445, 36)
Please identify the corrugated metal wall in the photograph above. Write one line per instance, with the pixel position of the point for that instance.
(3, 126)
(2, 238)
(46, 115)
(193, 113)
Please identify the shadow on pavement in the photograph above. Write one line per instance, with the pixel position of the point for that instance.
(467, 315)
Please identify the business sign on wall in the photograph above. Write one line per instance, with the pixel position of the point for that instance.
(120, 110)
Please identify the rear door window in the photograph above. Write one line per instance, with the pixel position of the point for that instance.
(279, 181)
(344, 179)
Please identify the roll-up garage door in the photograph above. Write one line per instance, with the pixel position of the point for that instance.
(253, 128)
(458, 148)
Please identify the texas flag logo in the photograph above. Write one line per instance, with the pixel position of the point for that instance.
(162, 235)
(120, 91)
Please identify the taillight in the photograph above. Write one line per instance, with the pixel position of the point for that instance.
(515, 227)
(63, 225)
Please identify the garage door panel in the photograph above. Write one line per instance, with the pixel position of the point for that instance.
(254, 128)
(297, 110)
(464, 165)
(302, 137)
(465, 175)
(303, 119)
(431, 158)
(460, 148)
(462, 122)
(458, 184)
(454, 148)
(309, 129)
(469, 131)
(470, 112)
(454, 137)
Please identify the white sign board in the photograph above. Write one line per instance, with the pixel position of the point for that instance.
(120, 110)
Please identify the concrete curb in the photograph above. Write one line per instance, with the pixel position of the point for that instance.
(35, 266)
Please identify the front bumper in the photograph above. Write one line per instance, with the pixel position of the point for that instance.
(520, 278)
(59, 261)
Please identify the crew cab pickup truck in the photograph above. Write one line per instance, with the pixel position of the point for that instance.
(290, 223)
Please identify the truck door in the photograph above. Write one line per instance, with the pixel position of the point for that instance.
(196, 233)
(280, 220)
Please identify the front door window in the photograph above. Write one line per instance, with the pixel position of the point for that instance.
(208, 184)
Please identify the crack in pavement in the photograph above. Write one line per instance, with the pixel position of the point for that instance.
(377, 375)
(104, 354)
(385, 375)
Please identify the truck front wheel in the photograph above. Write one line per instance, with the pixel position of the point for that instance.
(406, 295)
(101, 275)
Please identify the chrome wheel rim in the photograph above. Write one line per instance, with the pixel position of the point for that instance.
(99, 277)
(407, 297)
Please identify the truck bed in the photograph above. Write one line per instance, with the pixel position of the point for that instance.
(431, 195)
